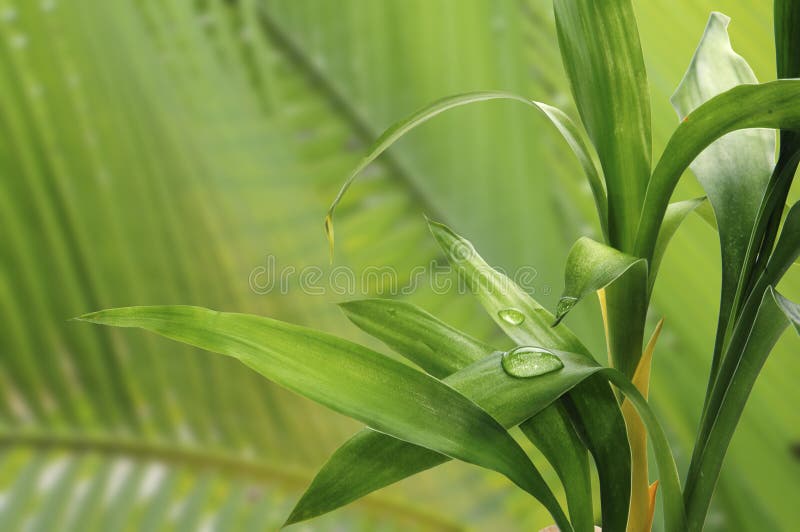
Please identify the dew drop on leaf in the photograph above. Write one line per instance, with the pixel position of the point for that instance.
(511, 316)
(530, 362)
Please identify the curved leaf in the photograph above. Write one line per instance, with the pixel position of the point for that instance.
(511, 399)
(735, 169)
(775, 314)
(775, 104)
(350, 379)
(600, 49)
(590, 267)
(574, 136)
(786, 253)
(441, 350)
(597, 414)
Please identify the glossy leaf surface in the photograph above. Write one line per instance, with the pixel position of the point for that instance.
(351, 379)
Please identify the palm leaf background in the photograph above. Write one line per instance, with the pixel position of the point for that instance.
(158, 152)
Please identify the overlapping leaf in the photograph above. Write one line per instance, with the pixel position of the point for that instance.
(733, 170)
(528, 323)
(387, 395)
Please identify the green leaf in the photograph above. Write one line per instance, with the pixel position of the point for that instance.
(787, 45)
(785, 254)
(775, 104)
(673, 218)
(735, 169)
(775, 314)
(598, 414)
(603, 58)
(787, 250)
(590, 267)
(351, 379)
(436, 347)
(441, 350)
(508, 398)
(573, 134)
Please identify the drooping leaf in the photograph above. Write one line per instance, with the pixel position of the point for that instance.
(441, 350)
(775, 314)
(735, 169)
(590, 267)
(600, 49)
(350, 379)
(574, 136)
(525, 321)
(775, 104)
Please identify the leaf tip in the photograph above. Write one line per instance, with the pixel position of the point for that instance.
(329, 234)
(563, 307)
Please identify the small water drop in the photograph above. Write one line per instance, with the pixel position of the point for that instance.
(530, 362)
(511, 316)
(564, 305)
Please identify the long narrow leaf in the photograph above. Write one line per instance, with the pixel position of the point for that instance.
(525, 321)
(441, 350)
(573, 135)
(600, 49)
(775, 314)
(350, 379)
(511, 400)
(427, 341)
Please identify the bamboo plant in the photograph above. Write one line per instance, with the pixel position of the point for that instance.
(461, 396)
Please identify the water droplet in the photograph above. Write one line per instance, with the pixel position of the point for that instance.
(511, 316)
(564, 305)
(530, 362)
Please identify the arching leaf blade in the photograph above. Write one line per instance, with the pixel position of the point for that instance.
(774, 105)
(441, 350)
(571, 132)
(352, 380)
(598, 415)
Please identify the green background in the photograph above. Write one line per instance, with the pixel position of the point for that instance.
(157, 152)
